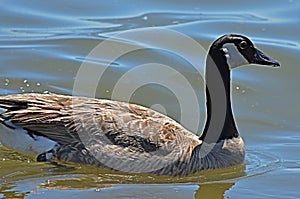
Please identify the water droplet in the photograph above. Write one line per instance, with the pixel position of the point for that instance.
(237, 88)
(6, 82)
(145, 18)
(243, 91)
(3, 159)
(21, 88)
(97, 189)
(27, 85)
(38, 84)
(107, 91)
(25, 81)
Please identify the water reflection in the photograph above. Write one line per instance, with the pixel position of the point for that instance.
(54, 187)
(22, 177)
(213, 190)
(8, 192)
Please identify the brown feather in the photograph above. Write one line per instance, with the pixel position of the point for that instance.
(117, 129)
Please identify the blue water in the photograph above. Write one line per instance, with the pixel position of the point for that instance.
(43, 46)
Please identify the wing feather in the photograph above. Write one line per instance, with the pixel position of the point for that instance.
(116, 130)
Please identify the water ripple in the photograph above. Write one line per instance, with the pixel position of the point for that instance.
(95, 26)
(169, 19)
(258, 163)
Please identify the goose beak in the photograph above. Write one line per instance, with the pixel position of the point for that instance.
(262, 59)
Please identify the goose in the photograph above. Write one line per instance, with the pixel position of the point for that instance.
(128, 137)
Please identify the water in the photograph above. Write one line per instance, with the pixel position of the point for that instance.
(43, 45)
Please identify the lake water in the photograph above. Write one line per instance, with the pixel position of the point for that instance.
(43, 46)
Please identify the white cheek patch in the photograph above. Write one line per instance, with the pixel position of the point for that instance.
(233, 56)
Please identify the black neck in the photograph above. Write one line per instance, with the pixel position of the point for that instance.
(218, 103)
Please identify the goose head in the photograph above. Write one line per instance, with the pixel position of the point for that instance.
(227, 52)
(238, 50)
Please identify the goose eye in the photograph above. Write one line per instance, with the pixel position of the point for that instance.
(243, 45)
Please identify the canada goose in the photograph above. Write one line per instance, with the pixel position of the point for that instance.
(129, 137)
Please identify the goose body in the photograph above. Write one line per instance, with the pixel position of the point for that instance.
(129, 137)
